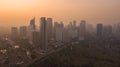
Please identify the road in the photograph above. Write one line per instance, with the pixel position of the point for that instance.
(45, 56)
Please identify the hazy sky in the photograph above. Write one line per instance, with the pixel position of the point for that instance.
(19, 12)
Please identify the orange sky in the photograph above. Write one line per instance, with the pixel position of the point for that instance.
(19, 12)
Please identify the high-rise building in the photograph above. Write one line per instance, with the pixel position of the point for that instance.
(49, 28)
(32, 24)
(99, 29)
(82, 30)
(116, 30)
(54, 29)
(107, 32)
(59, 32)
(74, 24)
(72, 30)
(31, 28)
(66, 36)
(14, 33)
(90, 29)
(23, 31)
(43, 32)
(36, 38)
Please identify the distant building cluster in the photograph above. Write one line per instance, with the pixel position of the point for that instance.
(48, 31)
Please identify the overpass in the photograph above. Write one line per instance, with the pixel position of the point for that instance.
(44, 57)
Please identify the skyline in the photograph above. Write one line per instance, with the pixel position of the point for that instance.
(19, 12)
(59, 33)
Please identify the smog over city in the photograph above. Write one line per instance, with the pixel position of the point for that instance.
(59, 33)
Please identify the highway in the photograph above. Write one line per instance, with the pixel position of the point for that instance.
(45, 56)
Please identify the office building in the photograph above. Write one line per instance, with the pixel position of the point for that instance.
(59, 32)
(43, 32)
(49, 28)
(82, 30)
(99, 30)
(36, 38)
(23, 31)
(31, 28)
(14, 33)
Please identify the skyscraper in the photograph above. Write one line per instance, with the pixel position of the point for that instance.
(49, 28)
(72, 30)
(14, 33)
(32, 24)
(31, 28)
(74, 24)
(23, 31)
(99, 29)
(107, 31)
(82, 30)
(59, 32)
(90, 29)
(54, 29)
(36, 38)
(117, 29)
(44, 39)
